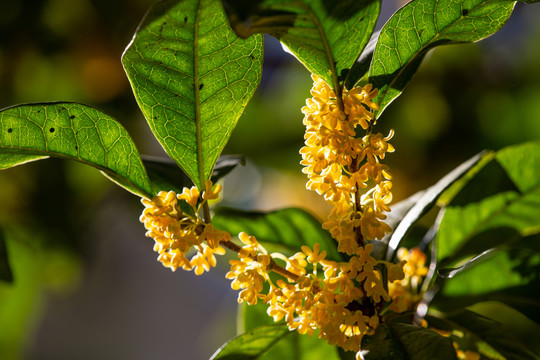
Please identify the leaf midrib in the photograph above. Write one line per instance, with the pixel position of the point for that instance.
(198, 136)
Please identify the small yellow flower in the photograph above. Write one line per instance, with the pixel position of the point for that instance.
(191, 196)
(209, 193)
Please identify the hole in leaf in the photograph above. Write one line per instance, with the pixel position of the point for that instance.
(201, 86)
(51, 130)
(9, 130)
(464, 12)
(72, 117)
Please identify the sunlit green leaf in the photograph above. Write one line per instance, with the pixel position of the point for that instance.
(253, 344)
(423, 24)
(192, 77)
(282, 230)
(326, 36)
(406, 342)
(73, 131)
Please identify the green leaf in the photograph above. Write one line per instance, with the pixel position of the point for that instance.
(503, 269)
(505, 193)
(282, 230)
(423, 24)
(487, 331)
(449, 273)
(9, 159)
(326, 36)
(423, 202)
(253, 344)
(192, 78)
(302, 347)
(5, 270)
(72, 131)
(361, 67)
(509, 275)
(406, 342)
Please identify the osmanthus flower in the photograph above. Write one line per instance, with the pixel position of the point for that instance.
(406, 292)
(339, 163)
(339, 301)
(176, 232)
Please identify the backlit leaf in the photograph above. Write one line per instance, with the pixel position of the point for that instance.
(192, 77)
(326, 36)
(72, 131)
(423, 24)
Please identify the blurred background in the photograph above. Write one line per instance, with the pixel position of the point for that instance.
(86, 281)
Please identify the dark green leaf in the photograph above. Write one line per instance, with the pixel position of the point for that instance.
(423, 24)
(5, 269)
(192, 77)
(361, 67)
(496, 335)
(511, 276)
(166, 175)
(73, 131)
(425, 201)
(505, 193)
(504, 269)
(253, 344)
(283, 230)
(406, 342)
(326, 36)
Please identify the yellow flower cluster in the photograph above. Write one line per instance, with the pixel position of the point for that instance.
(406, 293)
(339, 164)
(176, 232)
(333, 304)
(340, 301)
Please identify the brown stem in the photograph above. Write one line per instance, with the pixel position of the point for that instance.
(272, 266)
